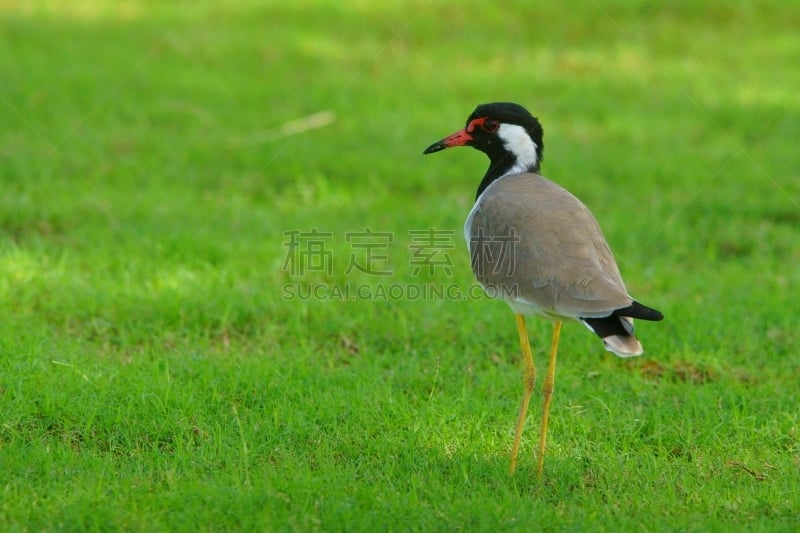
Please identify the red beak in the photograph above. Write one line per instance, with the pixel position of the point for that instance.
(459, 138)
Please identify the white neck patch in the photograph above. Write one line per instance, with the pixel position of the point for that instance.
(518, 142)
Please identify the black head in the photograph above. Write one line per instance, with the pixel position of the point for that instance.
(510, 113)
(507, 133)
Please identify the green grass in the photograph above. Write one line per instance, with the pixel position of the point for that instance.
(154, 377)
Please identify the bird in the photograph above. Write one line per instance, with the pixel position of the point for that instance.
(536, 246)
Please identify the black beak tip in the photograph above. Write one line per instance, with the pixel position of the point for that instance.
(435, 147)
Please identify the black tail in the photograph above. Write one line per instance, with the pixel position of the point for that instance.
(637, 310)
(614, 325)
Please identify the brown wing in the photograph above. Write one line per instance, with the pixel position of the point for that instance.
(533, 241)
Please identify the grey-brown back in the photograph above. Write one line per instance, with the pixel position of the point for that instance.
(533, 242)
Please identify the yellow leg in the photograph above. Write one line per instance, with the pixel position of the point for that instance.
(529, 380)
(547, 391)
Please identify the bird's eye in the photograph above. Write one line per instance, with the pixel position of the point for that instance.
(490, 126)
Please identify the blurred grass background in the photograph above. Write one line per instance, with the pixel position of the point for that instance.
(154, 376)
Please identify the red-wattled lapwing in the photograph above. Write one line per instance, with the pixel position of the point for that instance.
(536, 246)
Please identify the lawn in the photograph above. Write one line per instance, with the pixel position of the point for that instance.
(234, 295)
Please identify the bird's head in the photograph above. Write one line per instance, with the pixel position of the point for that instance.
(506, 132)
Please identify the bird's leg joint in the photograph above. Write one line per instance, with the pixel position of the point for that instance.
(529, 377)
